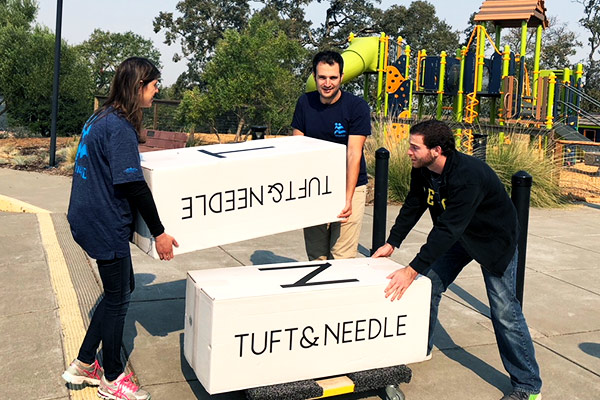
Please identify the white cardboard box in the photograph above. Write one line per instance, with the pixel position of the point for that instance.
(261, 325)
(213, 195)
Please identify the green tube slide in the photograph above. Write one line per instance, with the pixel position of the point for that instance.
(360, 57)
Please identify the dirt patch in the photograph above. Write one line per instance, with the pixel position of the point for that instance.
(31, 144)
(33, 154)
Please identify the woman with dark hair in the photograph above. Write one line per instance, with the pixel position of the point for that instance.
(108, 184)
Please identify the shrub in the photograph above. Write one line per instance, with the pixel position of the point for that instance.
(399, 163)
(26, 160)
(516, 153)
(71, 151)
(507, 159)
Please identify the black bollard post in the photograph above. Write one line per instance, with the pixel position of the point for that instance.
(55, 82)
(382, 157)
(521, 194)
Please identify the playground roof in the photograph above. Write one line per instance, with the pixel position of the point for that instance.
(510, 13)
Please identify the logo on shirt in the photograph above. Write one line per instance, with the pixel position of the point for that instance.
(82, 152)
(339, 130)
(434, 198)
(131, 170)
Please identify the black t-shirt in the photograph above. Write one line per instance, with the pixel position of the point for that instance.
(434, 197)
(99, 214)
(350, 115)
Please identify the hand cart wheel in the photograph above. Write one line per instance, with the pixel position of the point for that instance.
(393, 392)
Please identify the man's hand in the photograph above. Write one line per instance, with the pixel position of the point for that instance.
(346, 212)
(400, 280)
(384, 251)
(164, 246)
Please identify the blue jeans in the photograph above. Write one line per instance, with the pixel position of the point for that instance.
(512, 335)
(109, 317)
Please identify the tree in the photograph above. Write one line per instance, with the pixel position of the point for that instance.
(559, 44)
(419, 26)
(344, 17)
(15, 15)
(290, 16)
(26, 71)
(105, 51)
(591, 22)
(554, 53)
(468, 32)
(201, 24)
(250, 74)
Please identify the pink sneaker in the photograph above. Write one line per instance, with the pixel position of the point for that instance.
(121, 389)
(79, 374)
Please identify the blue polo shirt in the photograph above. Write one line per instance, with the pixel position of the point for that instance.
(350, 115)
(100, 217)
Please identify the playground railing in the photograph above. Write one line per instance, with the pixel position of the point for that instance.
(579, 163)
(565, 99)
(578, 92)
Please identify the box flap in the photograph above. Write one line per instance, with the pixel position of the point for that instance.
(212, 154)
(287, 278)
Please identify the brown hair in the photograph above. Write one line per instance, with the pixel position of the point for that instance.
(131, 75)
(435, 133)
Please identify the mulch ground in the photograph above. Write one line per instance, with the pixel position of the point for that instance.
(582, 181)
(30, 144)
(36, 150)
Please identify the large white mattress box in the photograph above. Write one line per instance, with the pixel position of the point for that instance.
(261, 325)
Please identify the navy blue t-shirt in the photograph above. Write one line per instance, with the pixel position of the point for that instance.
(100, 217)
(350, 115)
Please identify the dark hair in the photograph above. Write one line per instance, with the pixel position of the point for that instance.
(131, 75)
(329, 57)
(435, 133)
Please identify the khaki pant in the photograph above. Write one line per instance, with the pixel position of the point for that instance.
(337, 240)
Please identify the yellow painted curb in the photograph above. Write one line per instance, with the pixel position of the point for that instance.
(9, 204)
(72, 326)
(73, 330)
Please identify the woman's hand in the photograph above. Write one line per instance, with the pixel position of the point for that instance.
(164, 246)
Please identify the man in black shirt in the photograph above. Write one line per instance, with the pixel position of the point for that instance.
(473, 219)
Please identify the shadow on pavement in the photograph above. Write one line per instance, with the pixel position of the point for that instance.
(163, 309)
(479, 367)
(261, 257)
(197, 387)
(444, 342)
(454, 352)
(481, 307)
(593, 349)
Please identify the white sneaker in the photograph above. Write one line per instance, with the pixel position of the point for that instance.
(121, 389)
(78, 374)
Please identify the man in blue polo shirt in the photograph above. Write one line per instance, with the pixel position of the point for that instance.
(340, 117)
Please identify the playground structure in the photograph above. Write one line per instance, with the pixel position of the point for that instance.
(516, 93)
(501, 92)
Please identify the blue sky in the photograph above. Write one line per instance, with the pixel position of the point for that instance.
(81, 17)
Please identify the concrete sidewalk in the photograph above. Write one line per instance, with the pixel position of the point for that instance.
(561, 304)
